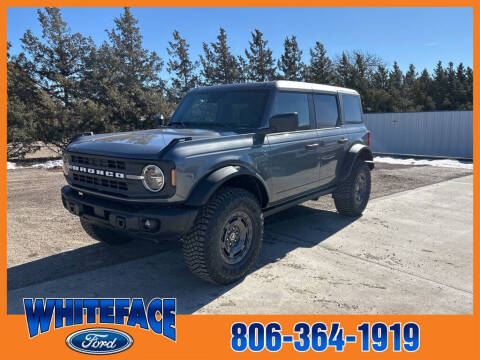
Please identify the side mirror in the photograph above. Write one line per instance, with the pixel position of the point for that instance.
(159, 119)
(284, 122)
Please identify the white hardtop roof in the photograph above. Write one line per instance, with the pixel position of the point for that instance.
(297, 85)
(279, 84)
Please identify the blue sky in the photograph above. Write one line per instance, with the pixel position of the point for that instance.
(421, 36)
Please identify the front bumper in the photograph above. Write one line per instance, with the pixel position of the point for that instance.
(165, 222)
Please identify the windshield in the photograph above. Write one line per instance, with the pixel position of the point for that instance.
(230, 110)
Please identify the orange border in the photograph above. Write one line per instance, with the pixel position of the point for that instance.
(207, 336)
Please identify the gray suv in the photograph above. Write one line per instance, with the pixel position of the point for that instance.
(230, 155)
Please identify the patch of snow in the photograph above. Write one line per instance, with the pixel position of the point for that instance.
(50, 164)
(11, 165)
(450, 163)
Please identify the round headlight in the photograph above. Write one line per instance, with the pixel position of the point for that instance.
(153, 178)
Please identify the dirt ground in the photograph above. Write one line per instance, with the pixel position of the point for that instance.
(40, 228)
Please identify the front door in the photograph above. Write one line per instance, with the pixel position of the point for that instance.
(294, 156)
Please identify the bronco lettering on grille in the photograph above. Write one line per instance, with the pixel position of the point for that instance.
(100, 172)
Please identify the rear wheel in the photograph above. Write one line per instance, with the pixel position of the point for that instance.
(226, 237)
(99, 233)
(352, 195)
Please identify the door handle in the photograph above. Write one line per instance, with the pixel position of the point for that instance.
(312, 146)
(342, 140)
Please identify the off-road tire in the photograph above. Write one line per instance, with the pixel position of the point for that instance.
(99, 233)
(202, 245)
(344, 195)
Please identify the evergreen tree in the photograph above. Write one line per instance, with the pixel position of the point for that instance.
(22, 110)
(290, 63)
(260, 65)
(379, 98)
(360, 73)
(396, 78)
(208, 71)
(439, 87)
(361, 67)
(397, 89)
(461, 75)
(134, 92)
(181, 67)
(360, 79)
(423, 98)
(62, 84)
(344, 71)
(469, 88)
(380, 78)
(242, 68)
(410, 78)
(410, 88)
(453, 87)
(219, 65)
(320, 70)
(379, 101)
(56, 64)
(462, 97)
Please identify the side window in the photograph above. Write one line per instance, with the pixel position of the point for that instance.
(352, 109)
(326, 110)
(288, 102)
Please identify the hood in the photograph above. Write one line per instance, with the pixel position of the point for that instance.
(145, 144)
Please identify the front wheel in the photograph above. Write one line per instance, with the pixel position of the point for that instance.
(352, 195)
(226, 237)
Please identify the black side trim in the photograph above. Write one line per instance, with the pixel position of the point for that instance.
(357, 150)
(298, 200)
(205, 188)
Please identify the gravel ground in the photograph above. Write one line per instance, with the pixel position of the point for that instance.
(51, 244)
(388, 179)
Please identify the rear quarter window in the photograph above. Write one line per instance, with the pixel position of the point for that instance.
(352, 109)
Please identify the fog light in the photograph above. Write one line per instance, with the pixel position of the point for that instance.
(150, 224)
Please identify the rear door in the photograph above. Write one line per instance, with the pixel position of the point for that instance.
(332, 140)
(294, 156)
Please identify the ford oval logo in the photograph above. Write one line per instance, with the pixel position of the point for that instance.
(99, 341)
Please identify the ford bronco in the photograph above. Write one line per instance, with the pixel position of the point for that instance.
(230, 155)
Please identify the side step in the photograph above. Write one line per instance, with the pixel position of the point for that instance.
(298, 200)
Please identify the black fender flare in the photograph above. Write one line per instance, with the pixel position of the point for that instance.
(207, 186)
(356, 151)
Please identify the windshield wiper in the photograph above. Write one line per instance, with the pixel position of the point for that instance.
(207, 125)
(211, 125)
(181, 123)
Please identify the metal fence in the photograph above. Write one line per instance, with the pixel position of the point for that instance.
(436, 133)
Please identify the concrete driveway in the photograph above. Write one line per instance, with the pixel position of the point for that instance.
(411, 252)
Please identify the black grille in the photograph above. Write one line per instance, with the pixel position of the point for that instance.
(100, 181)
(96, 181)
(102, 163)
